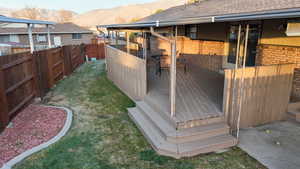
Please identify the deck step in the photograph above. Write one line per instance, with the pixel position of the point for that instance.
(185, 147)
(294, 111)
(198, 133)
(294, 115)
(168, 131)
(160, 145)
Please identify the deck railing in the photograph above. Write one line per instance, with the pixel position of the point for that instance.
(263, 96)
(127, 71)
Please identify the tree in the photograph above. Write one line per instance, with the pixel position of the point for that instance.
(64, 16)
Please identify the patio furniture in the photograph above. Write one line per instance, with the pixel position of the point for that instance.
(163, 62)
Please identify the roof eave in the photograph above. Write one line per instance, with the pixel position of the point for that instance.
(287, 13)
(5, 19)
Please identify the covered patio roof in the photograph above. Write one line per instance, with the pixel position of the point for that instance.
(217, 11)
(5, 19)
(30, 24)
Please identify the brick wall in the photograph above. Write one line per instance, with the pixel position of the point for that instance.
(276, 54)
(206, 54)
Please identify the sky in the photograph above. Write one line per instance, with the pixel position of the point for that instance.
(78, 6)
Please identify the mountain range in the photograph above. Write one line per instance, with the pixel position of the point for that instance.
(121, 14)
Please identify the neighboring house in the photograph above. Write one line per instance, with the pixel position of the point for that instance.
(61, 34)
(205, 70)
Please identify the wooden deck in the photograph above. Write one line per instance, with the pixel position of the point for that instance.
(199, 94)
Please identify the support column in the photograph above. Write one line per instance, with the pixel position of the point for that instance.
(49, 37)
(117, 38)
(145, 46)
(242, 81)
(29, 27)
(128, 42)
(173, 79)
(238, 47)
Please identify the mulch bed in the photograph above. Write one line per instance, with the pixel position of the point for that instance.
(31, 127)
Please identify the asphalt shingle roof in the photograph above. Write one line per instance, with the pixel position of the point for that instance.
(221, 7)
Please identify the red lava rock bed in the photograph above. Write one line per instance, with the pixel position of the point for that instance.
(31, 127)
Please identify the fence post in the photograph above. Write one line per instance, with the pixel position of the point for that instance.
(82, 52)
(4, 114)
(67, 61)
(36, 71)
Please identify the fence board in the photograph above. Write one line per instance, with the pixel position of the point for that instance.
(17, 87)
(128, 72)
(265, 94)
(3, 103)
(95, 51)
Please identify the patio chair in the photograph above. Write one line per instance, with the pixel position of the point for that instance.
(163, 62)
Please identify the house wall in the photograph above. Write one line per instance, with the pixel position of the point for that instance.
(65, 38)
(274, 34)
(208, 52)
(277, 48)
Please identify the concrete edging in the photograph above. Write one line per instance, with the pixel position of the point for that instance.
(40, 147)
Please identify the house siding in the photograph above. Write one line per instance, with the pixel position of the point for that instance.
(65, 38)
(274, 34)
(277, 48)
(208, 52)
(279, 54)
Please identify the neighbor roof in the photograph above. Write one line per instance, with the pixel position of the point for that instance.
(219, 10)
(5, 19)
(63, 28)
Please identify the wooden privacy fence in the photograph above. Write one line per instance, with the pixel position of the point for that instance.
(265, 94)
(128, 72)
(17, 84)
(24, 76)
(95, 51)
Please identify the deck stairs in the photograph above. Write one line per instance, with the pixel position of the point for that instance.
(294, 111)
(169, 139)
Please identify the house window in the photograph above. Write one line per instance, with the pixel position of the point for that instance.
(9, 38)
(41, 38)
(4, 38)
(76, 36)
(192, 31)
(14, 38)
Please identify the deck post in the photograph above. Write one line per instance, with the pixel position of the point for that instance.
(49, 37)
(173, 73)
(128, 42)
(145, 47)
(29, 28)
(117, 38)
(238, 47)
(241, 93)
(173, 79)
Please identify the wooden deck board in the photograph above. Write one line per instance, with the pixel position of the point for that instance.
(196, 94)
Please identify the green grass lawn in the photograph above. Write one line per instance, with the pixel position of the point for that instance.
(103, 136)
